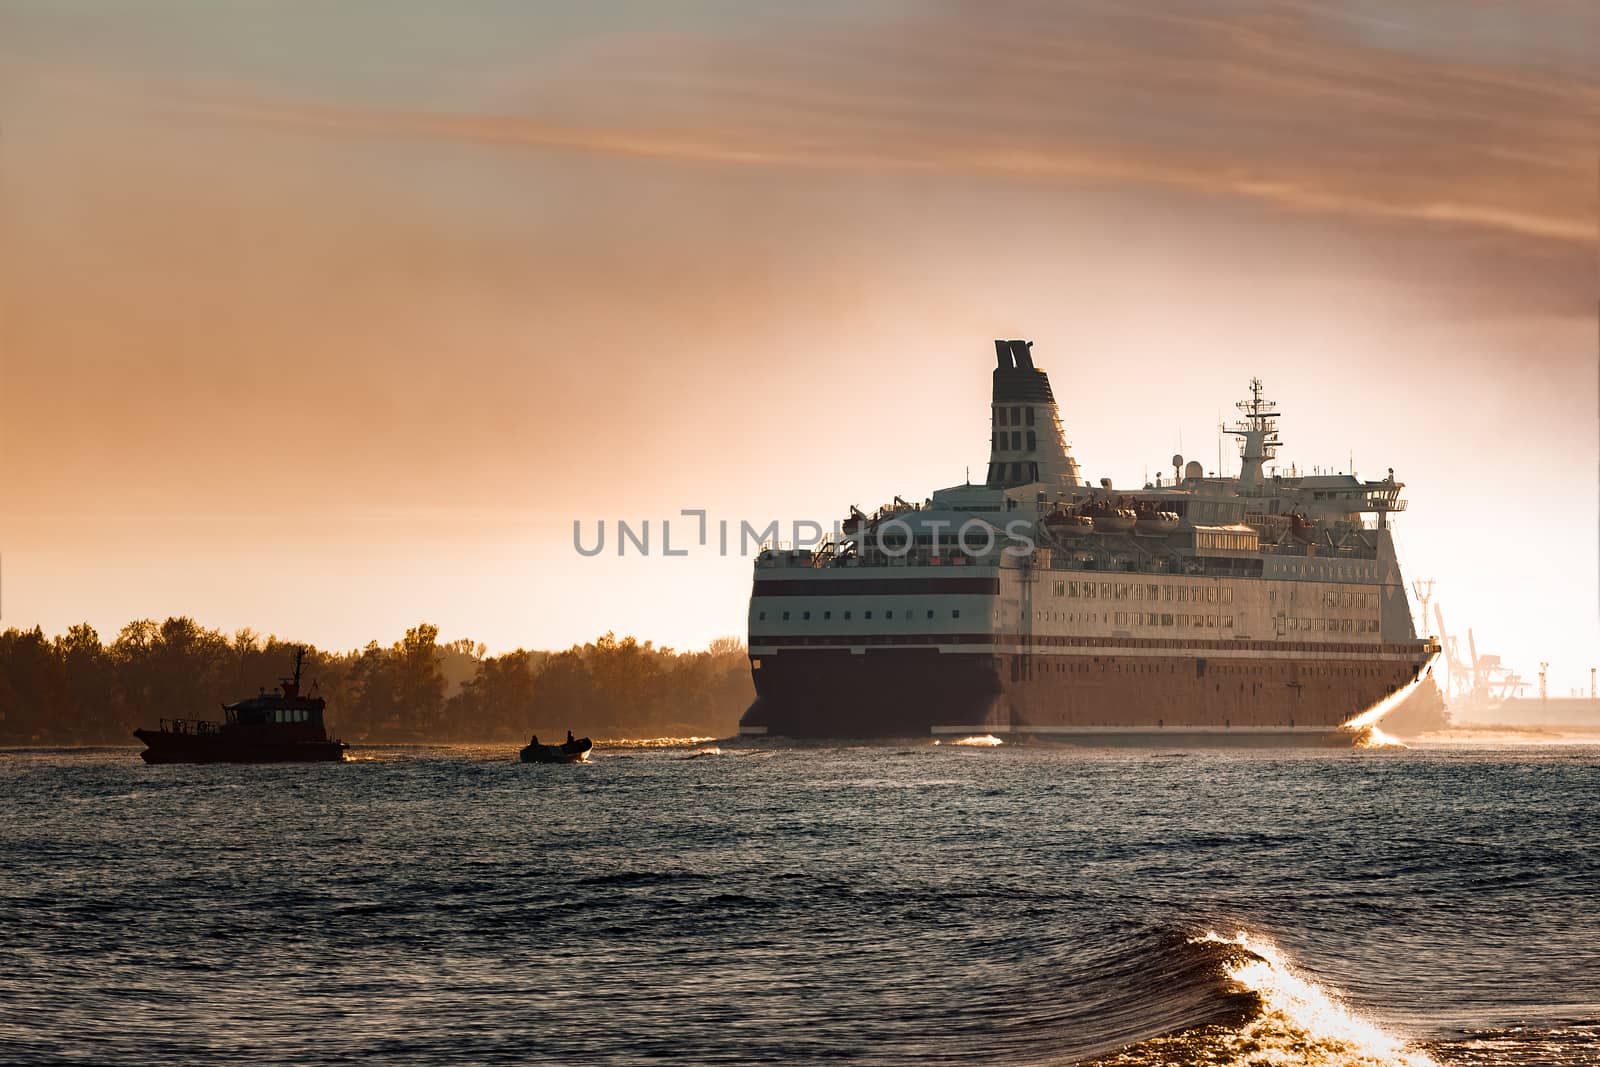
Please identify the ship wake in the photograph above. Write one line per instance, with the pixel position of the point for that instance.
(1363, 729)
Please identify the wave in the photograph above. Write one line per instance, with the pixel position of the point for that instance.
(717, 750)
(1283, 1018)
(1372, 737)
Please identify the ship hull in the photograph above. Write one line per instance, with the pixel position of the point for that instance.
(1229, 700)
(167, 747)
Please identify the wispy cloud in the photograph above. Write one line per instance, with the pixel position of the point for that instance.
(1287, 106)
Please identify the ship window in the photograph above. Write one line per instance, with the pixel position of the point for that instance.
(889, 614)
(806, 615)
(1016, 440)
(1016, 416)
(761, 616)
(847, 614)
(999, 416)
(955, 613)
(1227, 596)
(1016, 472)
(930, 614)
(826, 615)
(786, 616)
(1029, 412)
(1033, 442)
(866, 614)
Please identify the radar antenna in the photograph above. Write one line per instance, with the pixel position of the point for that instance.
(1259, 428)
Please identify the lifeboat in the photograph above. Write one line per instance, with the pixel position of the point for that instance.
(1151, 520)
(1108, 517)
(1064, 522)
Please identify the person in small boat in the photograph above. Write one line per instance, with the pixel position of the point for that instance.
(569, 737)
(533, 742)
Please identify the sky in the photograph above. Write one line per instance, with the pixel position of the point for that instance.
(324, 320)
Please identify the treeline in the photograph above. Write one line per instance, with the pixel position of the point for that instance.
(73, 689)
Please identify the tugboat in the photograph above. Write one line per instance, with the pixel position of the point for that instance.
(575, 750)
(283, 726)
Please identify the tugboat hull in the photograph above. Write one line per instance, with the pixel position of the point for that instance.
(165, 747)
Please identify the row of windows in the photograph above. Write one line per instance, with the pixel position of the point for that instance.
(827, 616)
(1183, 594)
(1153, 618)
(1333, 598)
(1213, 668)
(1017, 438)
(1360, 626)
(287, 715)
(1018, 414)
(1228, 541)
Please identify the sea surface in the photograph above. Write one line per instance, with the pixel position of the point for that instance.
(712, 903)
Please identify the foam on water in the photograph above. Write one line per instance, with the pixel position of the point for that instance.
(1300, 1021)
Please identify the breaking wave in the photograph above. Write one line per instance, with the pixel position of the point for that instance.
(1253, 1007)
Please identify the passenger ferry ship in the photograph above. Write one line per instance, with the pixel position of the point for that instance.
(1262, 608)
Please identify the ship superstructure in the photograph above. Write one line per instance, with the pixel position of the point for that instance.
(1265, 607)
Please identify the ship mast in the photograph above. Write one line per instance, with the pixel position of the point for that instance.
(1259, 428)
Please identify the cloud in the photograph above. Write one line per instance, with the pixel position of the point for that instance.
(1287, 106)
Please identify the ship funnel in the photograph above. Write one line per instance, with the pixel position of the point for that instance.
(1027, 446)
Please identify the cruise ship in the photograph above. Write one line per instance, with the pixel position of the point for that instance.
(1266, 608)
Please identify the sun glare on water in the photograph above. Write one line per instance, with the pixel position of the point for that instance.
(1300, 1022)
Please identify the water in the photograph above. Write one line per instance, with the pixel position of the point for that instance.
(714, 904)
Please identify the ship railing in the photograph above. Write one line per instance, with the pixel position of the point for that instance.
(190, 726)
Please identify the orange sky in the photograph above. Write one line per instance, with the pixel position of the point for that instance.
(324, 323)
